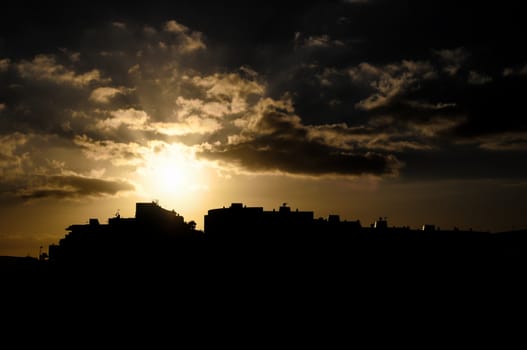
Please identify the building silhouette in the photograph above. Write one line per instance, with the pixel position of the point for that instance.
(239, 222)
(153, 233)
(240, 236)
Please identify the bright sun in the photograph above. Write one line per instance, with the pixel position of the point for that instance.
(172, 177)
(172, 170)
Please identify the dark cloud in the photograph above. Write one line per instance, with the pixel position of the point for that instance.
(301, 158)
(276, 141)
(71, 186)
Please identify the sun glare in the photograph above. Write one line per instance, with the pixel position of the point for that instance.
(172, 171)
(172, 177)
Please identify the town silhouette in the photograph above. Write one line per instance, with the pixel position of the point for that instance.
(245, 239)
(254, 264)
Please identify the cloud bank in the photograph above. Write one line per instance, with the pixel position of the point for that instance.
(319, 96)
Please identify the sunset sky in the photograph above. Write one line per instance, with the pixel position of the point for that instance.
(414, 110)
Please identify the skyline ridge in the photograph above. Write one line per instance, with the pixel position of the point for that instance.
(240, 225)
(335, 217)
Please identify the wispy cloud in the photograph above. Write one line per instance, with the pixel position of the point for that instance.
(515, 71)
(131, 118)
(119, 154)
(175, 27)
(453, 59)
(13, 160)
(120, 25)
(45, 67)
(316, 41)
(104, 94)
(389, 81)
(190, 125)
(4, 64)
(190, 40)
(511, 141)
(476, 78)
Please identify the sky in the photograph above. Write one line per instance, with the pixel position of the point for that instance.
(410, 110)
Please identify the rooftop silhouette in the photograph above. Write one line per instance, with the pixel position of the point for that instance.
(157, 233)
(241, 237)
(154, 233)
